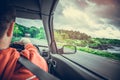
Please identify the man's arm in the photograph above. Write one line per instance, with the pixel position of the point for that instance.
(32, 54)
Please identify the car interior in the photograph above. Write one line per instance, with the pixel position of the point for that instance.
(60, 62)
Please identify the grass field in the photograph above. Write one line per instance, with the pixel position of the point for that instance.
(100, 53)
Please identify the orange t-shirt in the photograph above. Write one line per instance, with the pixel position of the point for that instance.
(10, 69)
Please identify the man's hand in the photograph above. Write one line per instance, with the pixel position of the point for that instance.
(23, 41)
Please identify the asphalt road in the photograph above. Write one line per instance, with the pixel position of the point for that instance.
(103, 66)
(39, 42)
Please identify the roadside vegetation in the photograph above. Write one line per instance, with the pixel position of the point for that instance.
(100, 53)
(30, 31)
(88, 44)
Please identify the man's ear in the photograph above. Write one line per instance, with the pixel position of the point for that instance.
(10, 29)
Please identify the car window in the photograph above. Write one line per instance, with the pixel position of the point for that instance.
(32, 29)
(91, 25)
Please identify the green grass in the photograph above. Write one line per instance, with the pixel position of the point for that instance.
(100, 53)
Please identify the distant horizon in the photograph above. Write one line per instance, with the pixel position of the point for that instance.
(37, 26)
(89, 35)
(71, 30)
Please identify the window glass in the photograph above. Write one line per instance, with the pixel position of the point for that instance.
(91, 25)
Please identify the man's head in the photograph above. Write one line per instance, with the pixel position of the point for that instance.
(7, 20)
(7, 17)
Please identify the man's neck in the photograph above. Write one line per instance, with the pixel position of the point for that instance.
(3, 47)
(4, 44)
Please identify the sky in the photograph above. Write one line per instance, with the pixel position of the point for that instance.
(97, 18)
(29, 22)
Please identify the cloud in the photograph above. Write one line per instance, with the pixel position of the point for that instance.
(109, 9)
(95, 17)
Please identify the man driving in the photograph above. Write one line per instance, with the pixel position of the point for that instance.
(10, 69)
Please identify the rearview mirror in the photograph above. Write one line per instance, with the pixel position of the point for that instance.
(68, 49)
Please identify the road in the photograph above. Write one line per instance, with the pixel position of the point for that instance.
(39, 42)
(101, 65)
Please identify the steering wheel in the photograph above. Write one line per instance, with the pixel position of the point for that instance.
(21, 47)
(17, 46)
(38, 49)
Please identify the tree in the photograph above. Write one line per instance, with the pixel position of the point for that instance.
(41, 34)
(33, 31)
(17, 32)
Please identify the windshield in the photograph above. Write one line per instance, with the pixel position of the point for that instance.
(91, 25)
(32, 29)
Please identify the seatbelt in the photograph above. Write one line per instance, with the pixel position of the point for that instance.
(41, 74)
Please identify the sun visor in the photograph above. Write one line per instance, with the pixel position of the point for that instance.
(33, 9)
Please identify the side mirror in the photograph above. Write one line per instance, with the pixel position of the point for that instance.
(68, 49)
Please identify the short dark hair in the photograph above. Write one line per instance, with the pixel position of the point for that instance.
(7, 15)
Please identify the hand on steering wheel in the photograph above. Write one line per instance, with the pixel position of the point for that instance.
(23, 41)
(19, 45)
